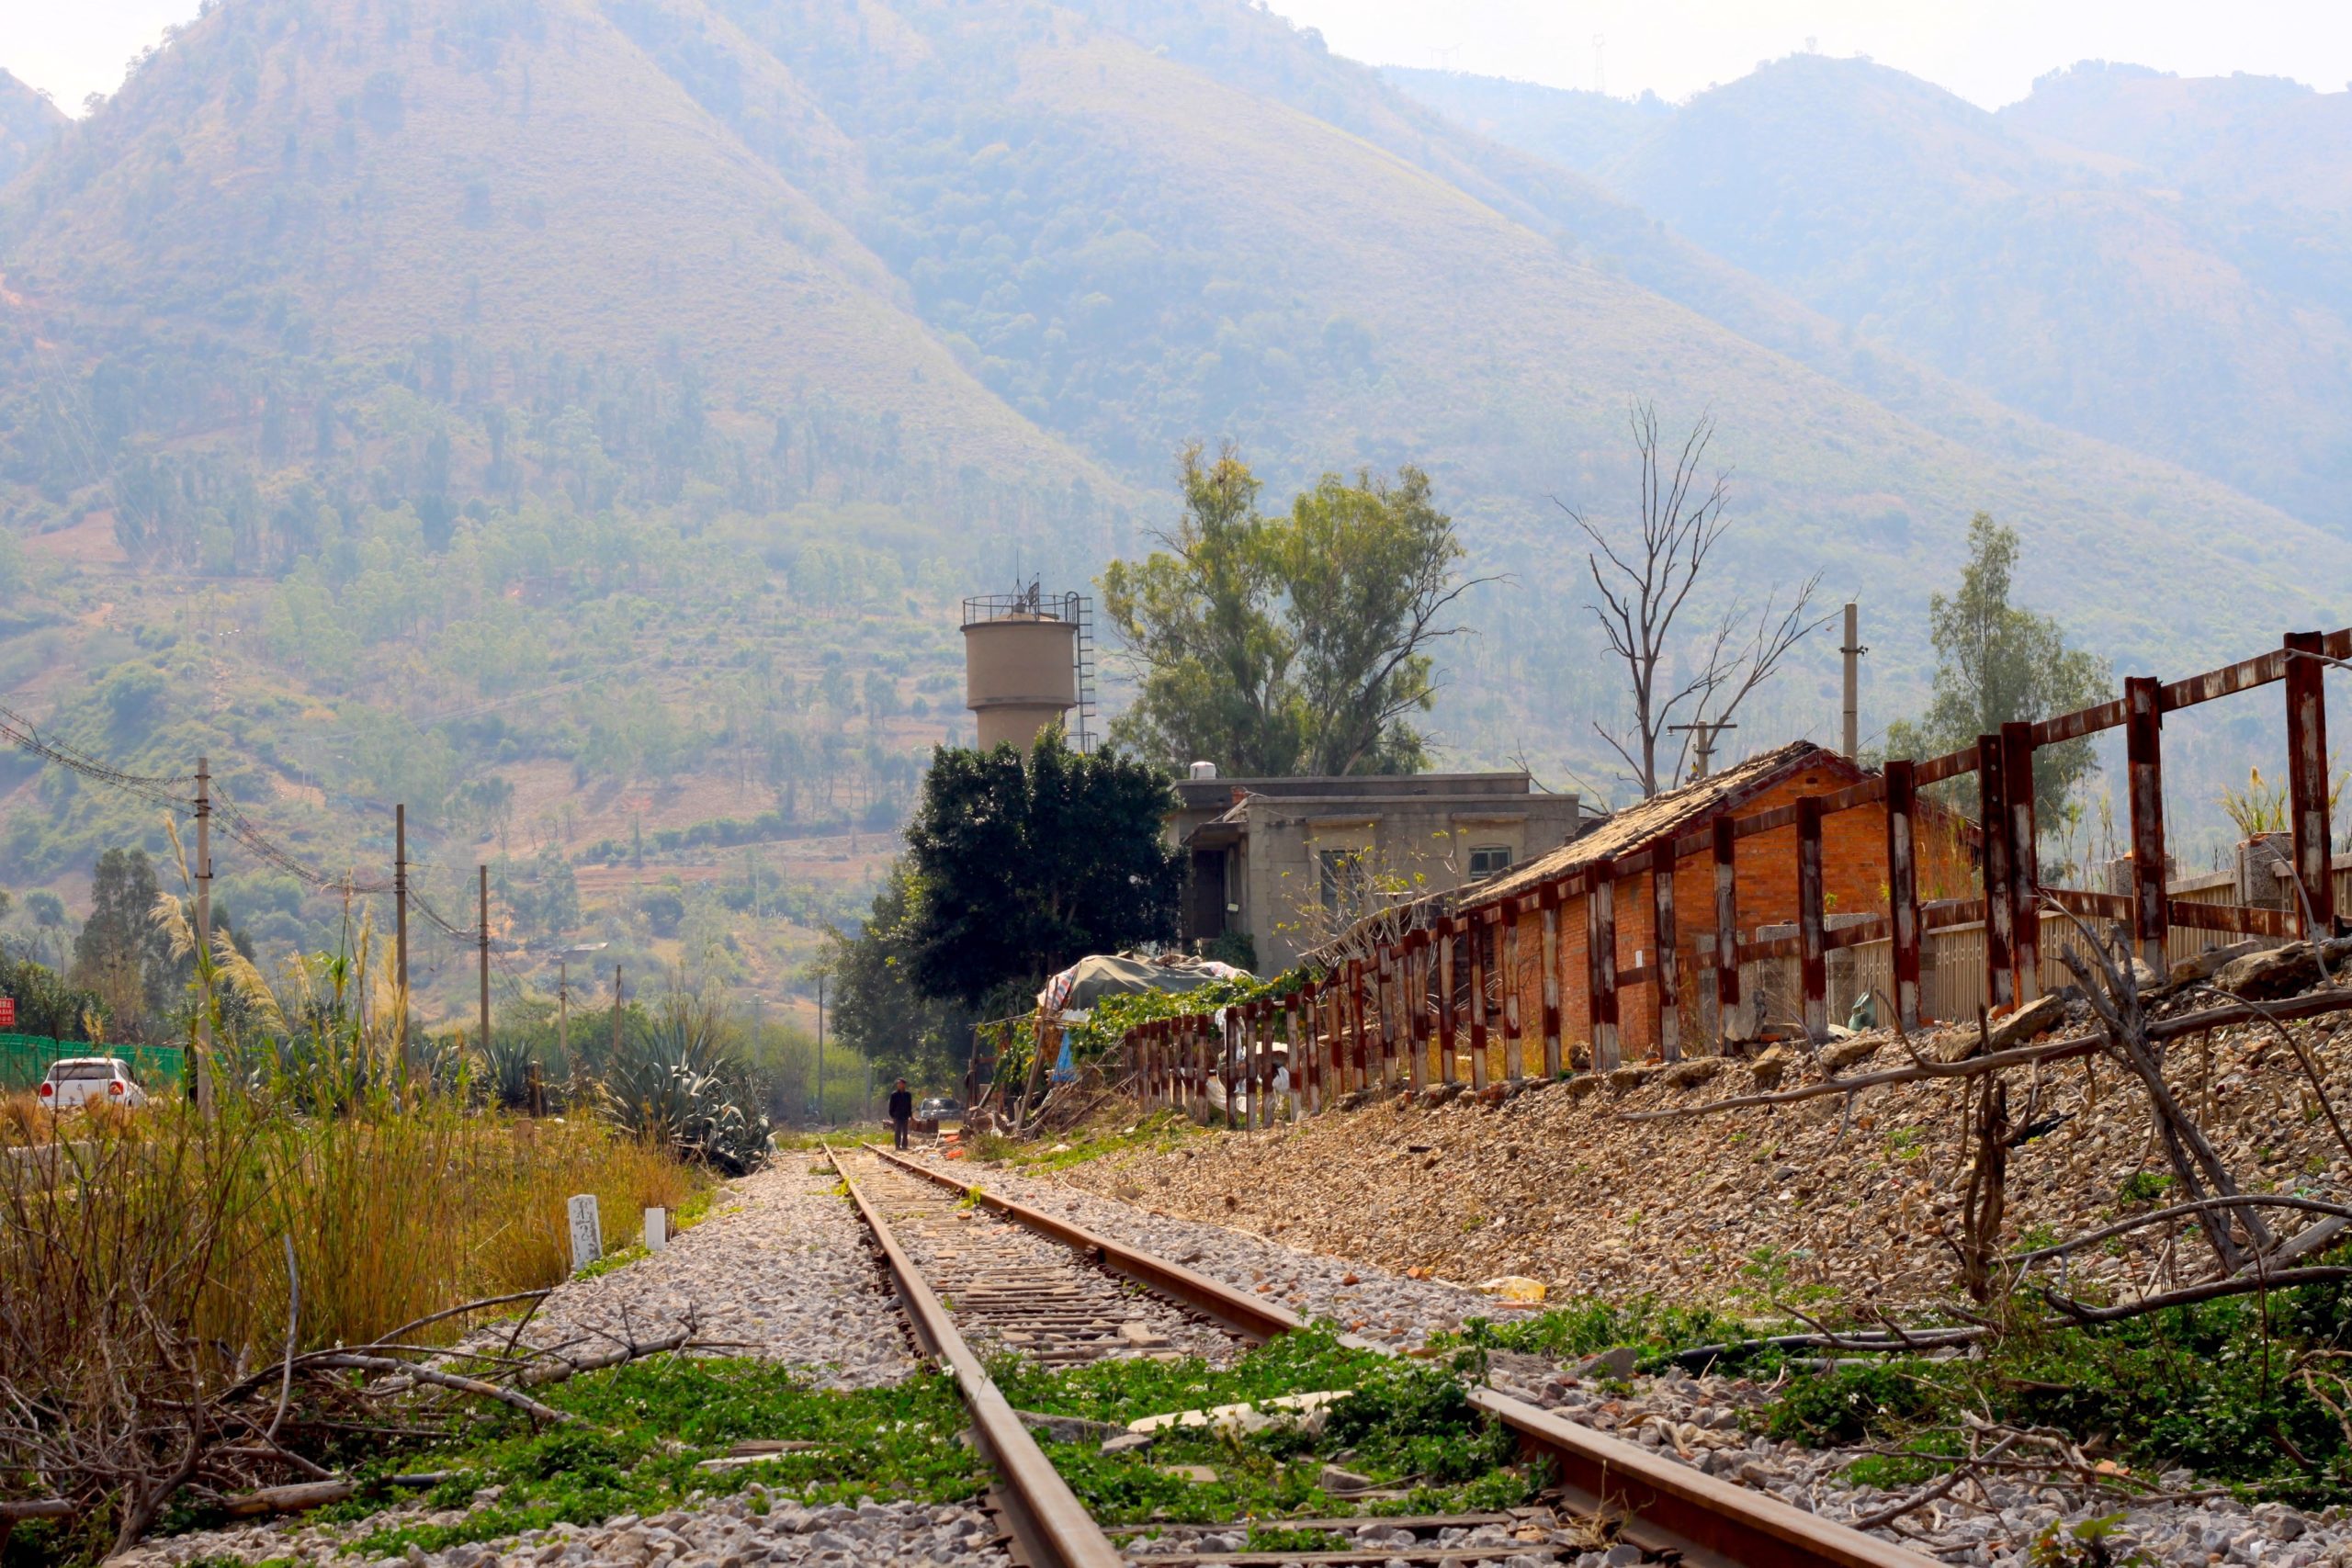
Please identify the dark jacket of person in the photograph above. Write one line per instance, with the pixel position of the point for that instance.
(902, 1105)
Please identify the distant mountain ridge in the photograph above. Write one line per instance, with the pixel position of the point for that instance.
(28, 122)
(989, 263)
(2162, 264)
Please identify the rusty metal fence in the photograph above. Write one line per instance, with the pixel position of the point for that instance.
(1403, 1017)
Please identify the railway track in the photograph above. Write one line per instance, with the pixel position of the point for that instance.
(963, 1259)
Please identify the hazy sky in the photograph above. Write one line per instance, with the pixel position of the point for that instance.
(1988, 51)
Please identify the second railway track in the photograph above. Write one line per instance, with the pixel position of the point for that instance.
(974, 1269)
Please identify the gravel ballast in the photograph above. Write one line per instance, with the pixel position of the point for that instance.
(1698, 1421)
(724, 1532)
(781, 1270)
(1383, 1306)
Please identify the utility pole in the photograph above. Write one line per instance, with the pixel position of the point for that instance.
(562, 1017)
(617, 1011)
(820, 1049)
(482, 938)
(399, 934)
(1704, 749)
(204, 1084)
(1853, 650)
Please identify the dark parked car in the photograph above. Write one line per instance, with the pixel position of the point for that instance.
(934, 1110)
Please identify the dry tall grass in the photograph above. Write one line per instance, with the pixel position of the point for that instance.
(145, 1263)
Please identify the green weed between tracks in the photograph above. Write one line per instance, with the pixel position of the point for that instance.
(1652, 1328)
(641, 1431)
(1156, 1134)
(1408, 1426)
(2244, 1392)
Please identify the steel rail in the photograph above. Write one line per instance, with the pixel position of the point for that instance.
(1048, 1523)
(1663, 1506)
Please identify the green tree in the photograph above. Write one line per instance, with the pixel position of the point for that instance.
(121, 953)
(1023, 866)
(1290, 644)
(1999, 665)
(877, 1011)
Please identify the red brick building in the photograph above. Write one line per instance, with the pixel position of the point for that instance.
(1622, 852)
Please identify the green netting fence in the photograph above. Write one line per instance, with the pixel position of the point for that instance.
(25, 1059)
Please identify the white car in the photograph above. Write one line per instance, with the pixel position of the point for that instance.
(76, 1080)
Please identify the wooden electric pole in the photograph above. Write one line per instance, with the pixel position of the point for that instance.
(1853, 650)
(562, 1017)
(400, 938)
(617, 1012)
(483, 939)
(820, 1050)
(204, 1086)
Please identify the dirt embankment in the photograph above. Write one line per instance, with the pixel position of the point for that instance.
(1851, 1192)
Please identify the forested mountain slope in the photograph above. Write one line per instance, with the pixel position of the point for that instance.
(1163, 218)
(2196, 320)
(27, 121)
(576, 419)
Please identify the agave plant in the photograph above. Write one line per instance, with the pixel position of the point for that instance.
(678, 1082)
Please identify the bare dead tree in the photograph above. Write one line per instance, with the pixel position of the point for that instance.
(1647, 586)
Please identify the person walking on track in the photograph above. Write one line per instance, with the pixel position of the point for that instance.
(902, 1111)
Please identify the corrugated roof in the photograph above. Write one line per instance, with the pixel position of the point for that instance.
(1645, 822)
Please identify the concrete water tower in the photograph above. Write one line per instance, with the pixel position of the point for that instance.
(1028, 660)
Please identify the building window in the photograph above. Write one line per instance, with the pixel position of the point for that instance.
(1487, 859)
(1342, 880)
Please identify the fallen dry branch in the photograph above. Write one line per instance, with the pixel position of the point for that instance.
(2190, 1295)
(2313, 1005)
(345, 1361)
(1962, 1471)
(467, 1309)
(630, 1351)
(2182, 1211)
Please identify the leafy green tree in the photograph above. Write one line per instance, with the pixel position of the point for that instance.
(877, 1011)
(121, 954)
(1999, 665)
(1293, 643)
(1023, 866)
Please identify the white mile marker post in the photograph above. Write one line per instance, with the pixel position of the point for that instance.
(657, 1230)
(587, 1231)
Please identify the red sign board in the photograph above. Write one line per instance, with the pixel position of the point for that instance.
(7, 1013)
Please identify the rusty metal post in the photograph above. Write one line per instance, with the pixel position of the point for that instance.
(1992, 809)
(1903, 889)
(1666, 976)
(1417, 1008)
(1356, 1032)
(1726, 927)
(2307, 782)
(1813, 958)
(1550, 960)
(2025, 868)
(1384, 986)
(1335, 1042)
(1480, 935)
(2144, 750)
(1514, 1056)
(1600, 951)
(1262, 1080)
(1298, 1052)
(1319, 1071)
(1445, 1020)
(1231, 1046)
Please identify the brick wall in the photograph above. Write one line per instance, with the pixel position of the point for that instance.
(1853, 853)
